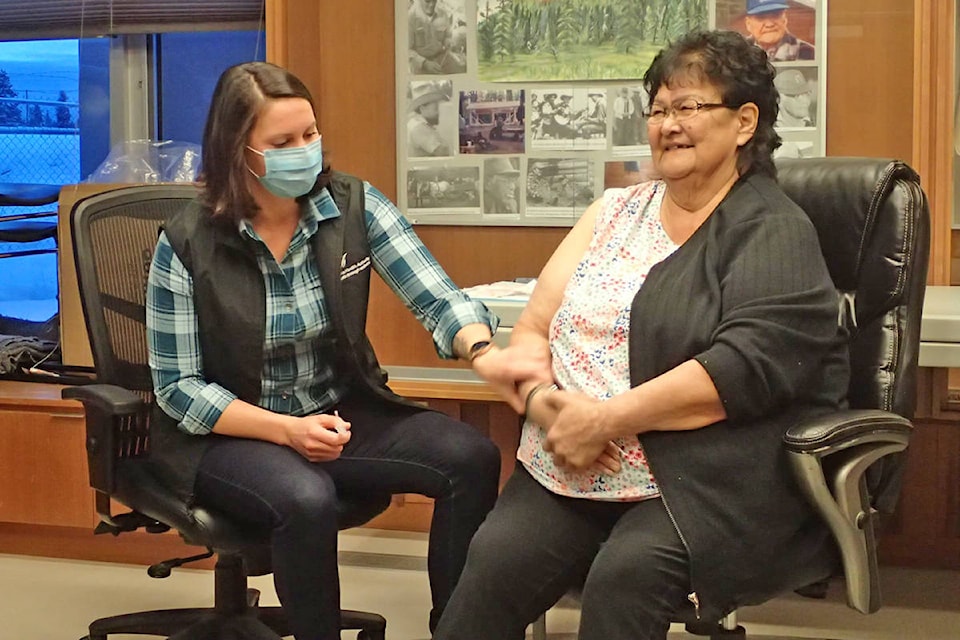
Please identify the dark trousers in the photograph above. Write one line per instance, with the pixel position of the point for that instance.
(535, 545)
(393, 449)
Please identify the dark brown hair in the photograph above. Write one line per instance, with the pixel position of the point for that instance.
(741, 72)
(238, 97)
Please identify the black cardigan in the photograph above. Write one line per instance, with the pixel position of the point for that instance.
(749, 297)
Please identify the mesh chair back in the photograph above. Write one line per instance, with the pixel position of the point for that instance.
(114, 236)
(873, 221)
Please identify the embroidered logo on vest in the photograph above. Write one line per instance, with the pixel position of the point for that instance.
(353, 269)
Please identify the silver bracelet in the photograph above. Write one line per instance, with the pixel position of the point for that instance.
(537, 389)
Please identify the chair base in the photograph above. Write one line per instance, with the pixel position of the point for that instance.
(257, 623)
(715, 631)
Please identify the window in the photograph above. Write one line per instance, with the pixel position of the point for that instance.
(189, 64)
(65, 103)
(43, 141)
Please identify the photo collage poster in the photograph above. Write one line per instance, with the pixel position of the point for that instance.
(521, 112)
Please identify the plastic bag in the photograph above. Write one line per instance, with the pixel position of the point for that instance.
(149, 161)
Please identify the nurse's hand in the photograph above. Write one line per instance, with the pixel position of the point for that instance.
(505, 369)
(318, 438)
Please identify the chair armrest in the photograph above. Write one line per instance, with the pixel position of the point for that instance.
(107, 399)
(833, 432)
(113, 417)
(829, 456)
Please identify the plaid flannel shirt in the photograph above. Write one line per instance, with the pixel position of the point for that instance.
(298, 376)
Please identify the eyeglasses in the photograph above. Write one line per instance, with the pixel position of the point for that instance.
(680, 110)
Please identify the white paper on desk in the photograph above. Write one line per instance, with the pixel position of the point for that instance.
(503, 290)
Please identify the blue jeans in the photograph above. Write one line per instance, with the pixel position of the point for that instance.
(393, 449)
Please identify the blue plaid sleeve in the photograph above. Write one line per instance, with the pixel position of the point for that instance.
(408, 268)
(173, 340)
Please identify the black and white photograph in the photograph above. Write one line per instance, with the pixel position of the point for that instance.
(570, 119)
(629, 130)
(802, 145)
(559, 186)
(443, 189)
(500, 185)
(437, 36)
(431, 119)
(492, 121)
(626, 173)
(544, 99)
(797, 87)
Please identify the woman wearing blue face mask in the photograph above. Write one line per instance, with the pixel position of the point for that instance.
(270, 398)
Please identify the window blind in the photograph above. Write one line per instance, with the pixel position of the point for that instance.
(42, 19)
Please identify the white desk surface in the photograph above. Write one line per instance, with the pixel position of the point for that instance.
(940, 328)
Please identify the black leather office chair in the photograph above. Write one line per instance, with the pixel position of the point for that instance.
(114, 235)
(873, 222)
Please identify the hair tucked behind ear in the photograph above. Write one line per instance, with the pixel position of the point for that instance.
(740, 71)
(240, 94)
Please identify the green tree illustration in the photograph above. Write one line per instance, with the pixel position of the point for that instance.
(522, 27)
(564, 27)
(629, 24)
(503, 42)
(485, 31)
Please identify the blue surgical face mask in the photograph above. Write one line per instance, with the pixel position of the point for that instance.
(291, 172)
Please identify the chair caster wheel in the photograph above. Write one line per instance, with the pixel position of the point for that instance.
(729, 634)
(715, 632)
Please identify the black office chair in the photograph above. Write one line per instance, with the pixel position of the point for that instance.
(114, 235)
(874, 227)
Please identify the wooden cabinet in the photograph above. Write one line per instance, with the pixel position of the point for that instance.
(483, 411)
(46, 504)
(43, 470)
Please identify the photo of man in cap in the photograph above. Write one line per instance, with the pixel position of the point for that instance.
(500, 176)
(436, 43)
(595, 115)
(766, 24)
(423, 133)
(796, 99)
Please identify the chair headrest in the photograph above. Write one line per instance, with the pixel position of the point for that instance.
(843, 197)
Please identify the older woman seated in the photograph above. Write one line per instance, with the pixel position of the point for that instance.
(689, 322)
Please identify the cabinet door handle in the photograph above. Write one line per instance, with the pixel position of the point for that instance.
(71, 416)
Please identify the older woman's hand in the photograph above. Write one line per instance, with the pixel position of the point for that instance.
(505, 369)
(576, 437)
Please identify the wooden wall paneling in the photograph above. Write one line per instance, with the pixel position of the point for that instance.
(870, 78)
(933, 121)
(292, 40)
(471, 256)
(275, 15)
(948, 465)
(925, 529)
